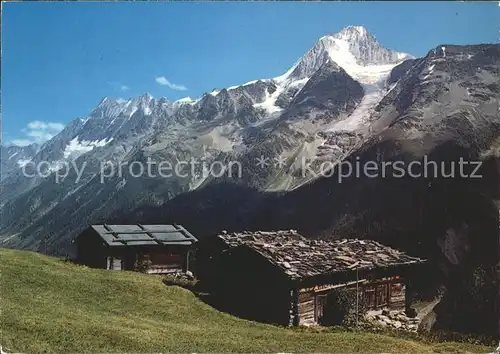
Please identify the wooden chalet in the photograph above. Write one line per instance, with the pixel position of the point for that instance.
(281, 277)
(166, 248)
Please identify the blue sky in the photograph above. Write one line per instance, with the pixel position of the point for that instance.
(60, 58)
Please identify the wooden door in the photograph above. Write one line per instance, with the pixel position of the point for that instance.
(382, 295)
(319, 306)
(369, 297)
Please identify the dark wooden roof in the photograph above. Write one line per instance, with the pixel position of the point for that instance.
(144, 235)
(299, 257)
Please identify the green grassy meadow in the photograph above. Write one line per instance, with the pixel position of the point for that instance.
(51, 306)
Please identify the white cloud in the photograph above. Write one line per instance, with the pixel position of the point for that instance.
(38, 132)
(162, 80)
(21, 142)
(120, 100)
(49, 126)
(118, 86)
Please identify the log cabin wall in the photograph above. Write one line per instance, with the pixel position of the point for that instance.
(398, 294)
(375, 294)
(164, 259)
(313, 301)
(383, 293)
(307, 308)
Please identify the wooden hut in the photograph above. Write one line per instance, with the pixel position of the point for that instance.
(281, 277)
(155, 249)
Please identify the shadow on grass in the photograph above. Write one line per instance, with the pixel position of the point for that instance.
(205, 295)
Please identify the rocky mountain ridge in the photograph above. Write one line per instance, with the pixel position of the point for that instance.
(287, 111)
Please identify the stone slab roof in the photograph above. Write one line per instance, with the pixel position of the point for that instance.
(276, 237)
(299, 257)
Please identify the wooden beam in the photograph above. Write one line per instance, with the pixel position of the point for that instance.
(389, 294)
(163, 243)
(295, 307)
(408, 295)
(498, 267)
(321, 288)
(149, 234)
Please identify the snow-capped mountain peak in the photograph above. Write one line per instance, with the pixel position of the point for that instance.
(103, 100)
(145, 102)
(112, 108)
(108, 108)
(353, 33)
(144, 99)
(365, 47)
(184, 100)
(355, 50)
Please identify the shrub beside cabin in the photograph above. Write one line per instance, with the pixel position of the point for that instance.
(281, 277)
(157, 249)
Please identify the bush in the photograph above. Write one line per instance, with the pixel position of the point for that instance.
(340, 308)
(142, 265)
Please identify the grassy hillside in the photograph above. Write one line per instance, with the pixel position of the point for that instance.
(50, 306)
